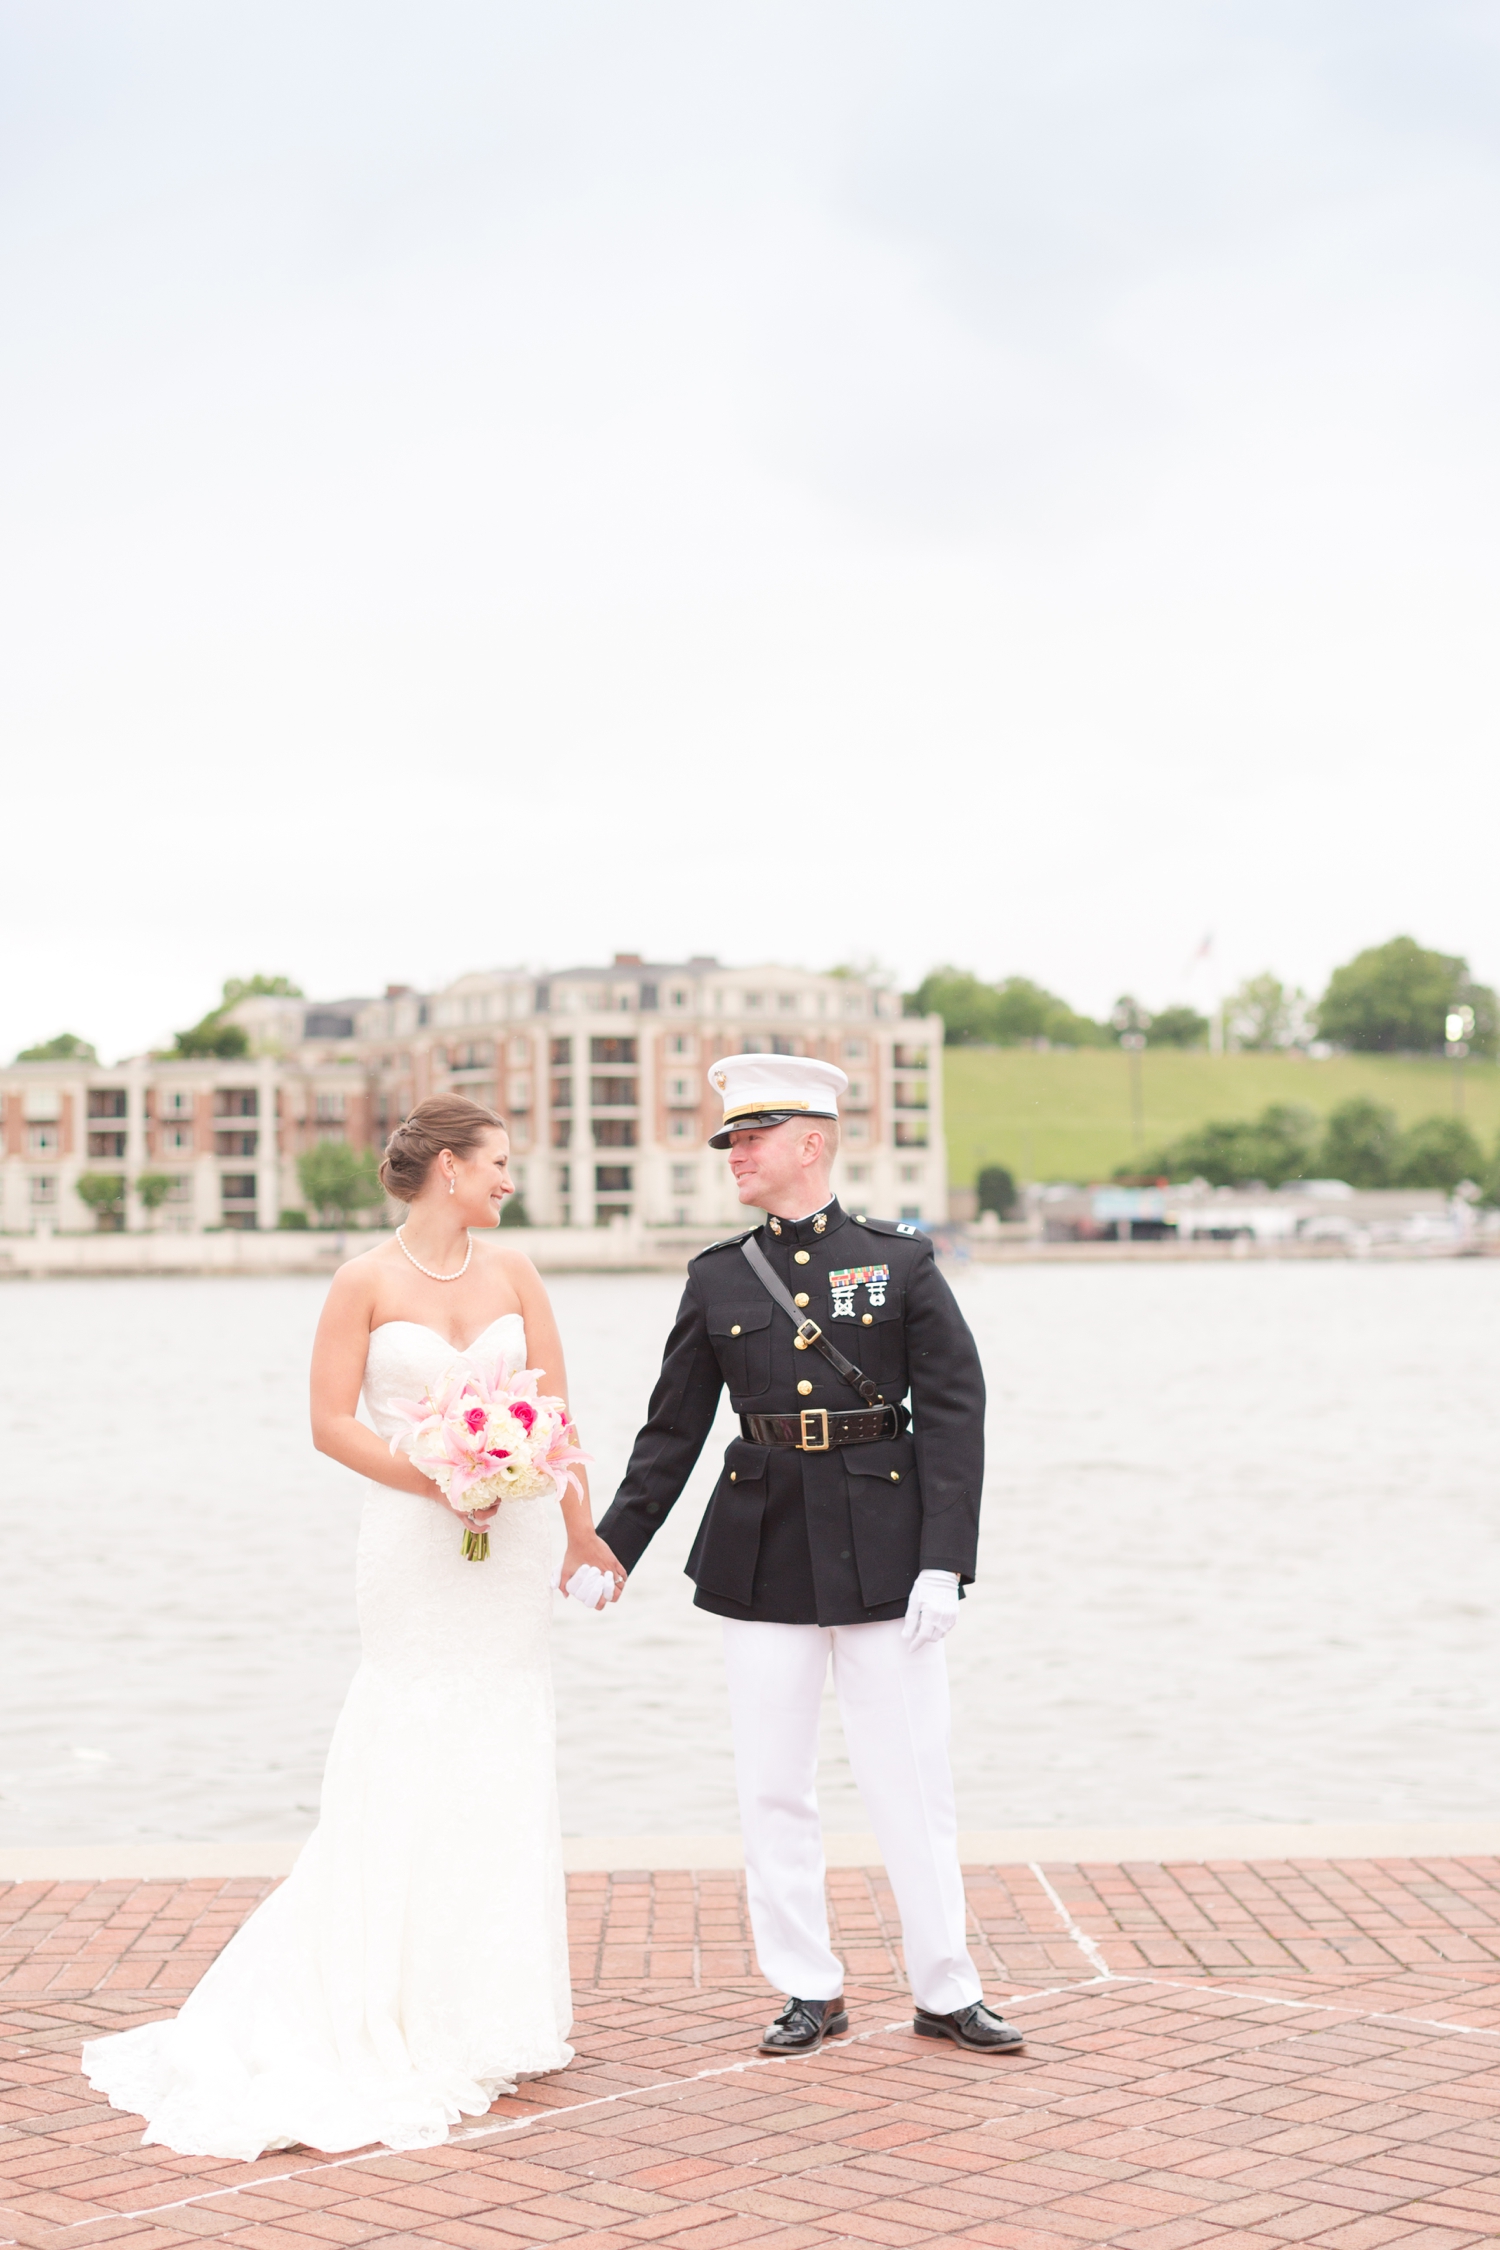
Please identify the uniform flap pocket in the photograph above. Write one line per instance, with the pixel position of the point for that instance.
(893, 1460)
(741, 1320)
(745, 1463)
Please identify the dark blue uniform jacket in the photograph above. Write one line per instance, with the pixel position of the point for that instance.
(815, 1538)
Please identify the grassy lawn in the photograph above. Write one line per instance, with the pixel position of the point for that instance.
(1066, 1116)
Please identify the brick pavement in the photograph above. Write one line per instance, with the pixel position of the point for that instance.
(1229, 2055)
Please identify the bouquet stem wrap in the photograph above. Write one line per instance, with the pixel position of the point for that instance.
(484, 1437)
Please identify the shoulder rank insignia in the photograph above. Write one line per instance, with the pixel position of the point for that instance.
(844, 1284)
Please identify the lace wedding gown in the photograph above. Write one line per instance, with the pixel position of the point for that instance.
(414, 1963)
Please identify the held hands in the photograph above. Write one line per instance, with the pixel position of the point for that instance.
(590, 1574)
(932, 1611)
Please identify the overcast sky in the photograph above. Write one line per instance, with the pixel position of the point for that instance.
(987, 482)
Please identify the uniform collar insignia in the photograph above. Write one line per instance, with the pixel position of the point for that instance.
(814, 1229)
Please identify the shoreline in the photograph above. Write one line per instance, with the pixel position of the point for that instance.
(1159, 1844)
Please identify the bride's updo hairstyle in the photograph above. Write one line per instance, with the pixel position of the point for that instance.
(443, 1121)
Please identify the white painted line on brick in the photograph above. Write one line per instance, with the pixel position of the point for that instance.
(1085, 1945)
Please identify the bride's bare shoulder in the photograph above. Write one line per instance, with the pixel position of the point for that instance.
(357, 1281)
(509, 1260)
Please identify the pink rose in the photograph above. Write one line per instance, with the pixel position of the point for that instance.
(474, 1419)
(524, 1414)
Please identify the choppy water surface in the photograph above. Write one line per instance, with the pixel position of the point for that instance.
(1241, 1558)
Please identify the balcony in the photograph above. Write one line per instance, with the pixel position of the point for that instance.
(614, 1132)
(237, 1101)
(107, 1101)
(911, 1132)
(562, 1093)
(911, 1093)
(107, 1144)
(613, 1093)
(612, 1051)
(236, 1144)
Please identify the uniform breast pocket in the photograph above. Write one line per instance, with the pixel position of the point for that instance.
(873, 1336)
(742, 1344)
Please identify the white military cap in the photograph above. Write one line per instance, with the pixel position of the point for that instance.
(768, 1089)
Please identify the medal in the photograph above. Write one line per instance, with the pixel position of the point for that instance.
(873, 1279)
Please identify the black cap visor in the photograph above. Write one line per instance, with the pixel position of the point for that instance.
(762, 1117)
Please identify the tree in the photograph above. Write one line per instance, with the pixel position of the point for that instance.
(337, 1179)
(228, 1041)
(1265, 1014)
(999, 1015)
(513, 1212)
(1360, 1144)
(104, 1193)
(1438, 1152)
(1394, 998)
(996, 1191)
(1232, 1152)
(153, 1188)
(258, 988)
(1178, 1026)
(66, 1047)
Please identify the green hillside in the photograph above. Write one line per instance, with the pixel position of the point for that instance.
(1065, 1115)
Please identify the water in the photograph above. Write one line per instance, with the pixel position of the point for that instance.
(1241, 1559)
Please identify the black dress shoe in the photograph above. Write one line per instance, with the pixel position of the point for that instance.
(803, 2025)
(975, 2026)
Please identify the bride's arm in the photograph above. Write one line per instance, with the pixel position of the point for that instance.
(338, 1369)
(544, 1351)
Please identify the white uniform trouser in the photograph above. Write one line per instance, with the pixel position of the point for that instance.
(893, 1700)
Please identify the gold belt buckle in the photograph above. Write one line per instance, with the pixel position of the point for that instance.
(814, 1414)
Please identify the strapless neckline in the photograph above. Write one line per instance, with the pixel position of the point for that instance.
(463, 1350)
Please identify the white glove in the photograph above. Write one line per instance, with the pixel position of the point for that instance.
(586, 1585)
(932, 1610)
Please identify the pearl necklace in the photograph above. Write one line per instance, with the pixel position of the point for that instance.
(463, 1269)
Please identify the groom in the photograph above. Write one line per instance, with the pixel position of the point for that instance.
(839, 1527)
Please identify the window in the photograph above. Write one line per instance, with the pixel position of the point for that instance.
(562, 1093)
(787, 1003)
(107, 1101)
(684, 1178)
(648, 997)
(177, 1137)
(911, 1210)
(858, 1096)
(682, 1090)
(542, 1002)
(41, 1105)
(42, 1140)
(781, 1045)
(612, 1051)
(107, 1144)
(911, 1132)
(682, 1043)
(520, 1092)
(857, 1174)
(678, 998)
(682, 1125)
(562, 1132)
(181, 1189)
(855, 1050)
(911, 1172)
(175, 1101)
(853, 1003)
(562, 1053)
(43, 1190)
(331, 1133)
(475, 1054)
(911, 1093)
(520, 1051)
(240, 1101)
(235, 1144)
(910, 1058)
(564, 1179)
(612, 1093)
(614, 1132)
(329, 1108)
(238, 1187)
(856, 1128)
(753, 1002)
(612, 1179)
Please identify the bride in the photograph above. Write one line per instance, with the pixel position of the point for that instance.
(414, 1964)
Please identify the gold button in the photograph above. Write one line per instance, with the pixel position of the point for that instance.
(802, 1257)
(895, 1476)
(868, 1318)
(801, 1298)
(734, 1476)
(734, 1331)
(859, 1218)
(799, 1343)
(804, 1390)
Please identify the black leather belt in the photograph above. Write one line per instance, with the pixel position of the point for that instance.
(814, 1430)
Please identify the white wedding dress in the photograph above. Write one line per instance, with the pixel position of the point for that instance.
(414, 1964)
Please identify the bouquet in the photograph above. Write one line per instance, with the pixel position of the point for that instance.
(486, 1437)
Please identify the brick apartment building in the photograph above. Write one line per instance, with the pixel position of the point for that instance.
(599, 1073)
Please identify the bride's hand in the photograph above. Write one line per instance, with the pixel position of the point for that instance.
(482, 1518)
(587, 1547)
